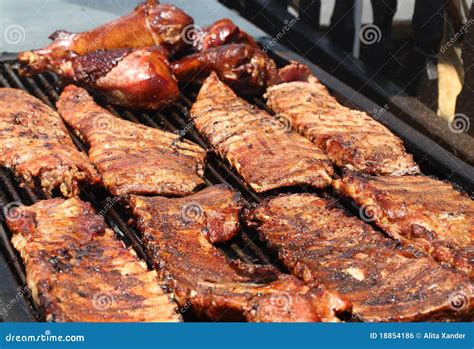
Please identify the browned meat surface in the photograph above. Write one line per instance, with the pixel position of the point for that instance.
(351, 138)
(320, 244)
(149, 24)
(138, 78)
(132, 158)
(423, 213)
(244, 68)
(78, 271)
(221, 32)
(179, 235)
(35, 145)
(261, 148)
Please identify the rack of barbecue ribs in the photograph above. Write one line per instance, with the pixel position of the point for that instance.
(77, 270)
(320, 243)
(243, 67)
(132, 158)
(351, 138)
(422, 213)
(264, 150)
(148, 25)
(180, 236)
(36, 146)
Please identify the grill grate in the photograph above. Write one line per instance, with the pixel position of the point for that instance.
(173, 119)
(46, 87)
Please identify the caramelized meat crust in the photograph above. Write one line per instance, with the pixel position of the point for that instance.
(77, 270)
(320, 244)
(351, 138)
(261, 148)
(179, 235)
(420, 212)
(36, 146)
(132, 158)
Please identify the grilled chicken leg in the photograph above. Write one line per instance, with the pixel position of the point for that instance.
(149, 24)
(243, 67)
(138, 78)
(222, 32)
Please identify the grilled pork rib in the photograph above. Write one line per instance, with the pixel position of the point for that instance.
(261, 148)
(320, 244)
(179, 235)
(36, 146)
(139, 78)
(245, 68)
(423, 213)
(132, 158)
(77, 270)
(149, 24)
(351, 138)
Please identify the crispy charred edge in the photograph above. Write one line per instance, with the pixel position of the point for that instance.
(353, 184)
(68, 181)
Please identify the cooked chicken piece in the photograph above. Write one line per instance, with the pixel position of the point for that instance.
(36, 146)
(132, 158)
(243, 67)
(222, 32)
(139, 78)
(422, 213)
(149, 24)
(179, 235)
(261, 148)
(351, 138)
(77, 270)
(320, 244)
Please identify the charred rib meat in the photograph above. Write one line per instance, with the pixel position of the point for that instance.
(179, 235)
(132, 158)
(78, 271)
(351, 138)
(421, 212)
(36, 146)
(261, 148)
(320, 244)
